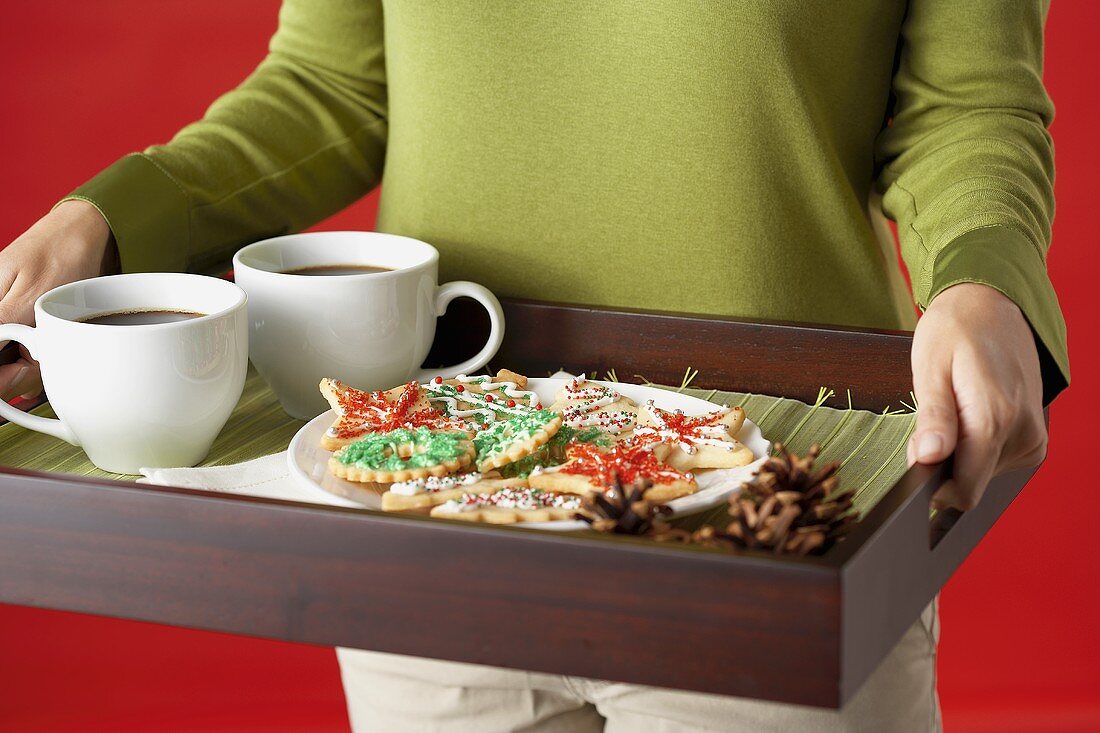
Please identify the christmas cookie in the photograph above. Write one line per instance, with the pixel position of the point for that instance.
(403, 454)
(509, 506)
(587, 404)
(506, 385)
(706, 441)
(553, 453)
(480, 401)
(591, 468)
(420, 495)
(517, 436)
(359, 413)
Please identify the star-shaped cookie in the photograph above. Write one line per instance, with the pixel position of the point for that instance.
(359, 413)
(689, 443)
(591, 468)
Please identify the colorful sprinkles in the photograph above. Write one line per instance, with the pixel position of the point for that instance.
(584, 407)
(523, 499)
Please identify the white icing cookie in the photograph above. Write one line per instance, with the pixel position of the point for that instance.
(482, 400)
(510, 506)
(421, 495)
(583, 403)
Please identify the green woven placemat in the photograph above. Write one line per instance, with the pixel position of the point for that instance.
(256, 428)
(870, 446)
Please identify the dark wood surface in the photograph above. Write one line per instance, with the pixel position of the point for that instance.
(896, 561)
(729, 354)
(544, 601)
(806, 631)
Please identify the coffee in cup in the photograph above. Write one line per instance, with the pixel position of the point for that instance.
(316, 270)
(141, 317)
(356, 306)
(142, 370)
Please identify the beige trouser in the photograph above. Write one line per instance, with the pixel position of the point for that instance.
(390, 693)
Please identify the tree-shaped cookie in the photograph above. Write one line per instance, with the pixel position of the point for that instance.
(506, 385)
(514, 438)
(482, 400)
(584, 403)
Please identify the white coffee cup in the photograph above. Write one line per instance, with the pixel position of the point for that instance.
(134, 396)
(370, 330)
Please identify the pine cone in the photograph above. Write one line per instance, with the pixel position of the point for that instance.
(621, 510)
(709, 536)
(789, 507)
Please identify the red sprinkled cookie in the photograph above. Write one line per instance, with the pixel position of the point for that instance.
(359, 413)
(591, 468)
(705, 441)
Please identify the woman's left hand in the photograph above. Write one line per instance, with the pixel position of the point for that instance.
(979, 391)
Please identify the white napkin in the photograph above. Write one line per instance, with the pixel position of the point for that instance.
(268, 477)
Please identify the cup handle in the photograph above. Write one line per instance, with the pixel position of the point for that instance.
(28, 337)
(443, 296)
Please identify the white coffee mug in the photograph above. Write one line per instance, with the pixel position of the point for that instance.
(134, 396)
(371, 330)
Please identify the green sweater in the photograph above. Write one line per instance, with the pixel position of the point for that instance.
(729, 158)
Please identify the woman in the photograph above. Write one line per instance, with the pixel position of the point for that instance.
(727, 158)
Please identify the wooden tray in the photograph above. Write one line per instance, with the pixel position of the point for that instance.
(806, 631)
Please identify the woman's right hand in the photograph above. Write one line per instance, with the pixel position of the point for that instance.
(72, 242)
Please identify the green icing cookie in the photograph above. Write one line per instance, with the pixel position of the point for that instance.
(379, 451)
(502, 435)
(593, 435)
(553, 452)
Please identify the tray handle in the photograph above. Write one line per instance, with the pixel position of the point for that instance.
(895, 561)
(903, 521)
(909, 503)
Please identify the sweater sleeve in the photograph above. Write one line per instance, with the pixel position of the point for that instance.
(302, 137)
(966, 166)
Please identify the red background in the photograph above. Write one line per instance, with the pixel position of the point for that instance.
(83, 83)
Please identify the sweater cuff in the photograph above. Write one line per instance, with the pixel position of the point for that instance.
(1006, 260)
(147, 210)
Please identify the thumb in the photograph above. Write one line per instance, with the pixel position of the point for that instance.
(937, 427)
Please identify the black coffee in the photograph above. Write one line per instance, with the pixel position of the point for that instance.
(141, 318)
(336, 270)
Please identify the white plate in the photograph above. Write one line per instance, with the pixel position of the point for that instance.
(308, 461)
